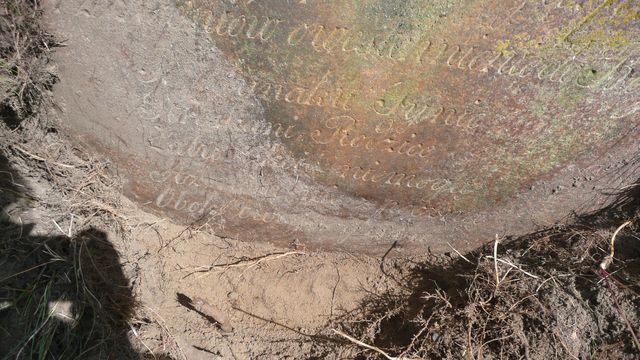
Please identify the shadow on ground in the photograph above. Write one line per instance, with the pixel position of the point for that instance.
(60, 297)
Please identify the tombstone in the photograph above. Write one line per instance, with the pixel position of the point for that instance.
(356, 124)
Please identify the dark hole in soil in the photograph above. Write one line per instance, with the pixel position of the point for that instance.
(9, 116)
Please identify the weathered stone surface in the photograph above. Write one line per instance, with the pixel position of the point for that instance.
(355, 124)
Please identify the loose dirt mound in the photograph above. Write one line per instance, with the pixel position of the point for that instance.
(85, 274)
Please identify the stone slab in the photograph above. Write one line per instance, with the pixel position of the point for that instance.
(357, 124)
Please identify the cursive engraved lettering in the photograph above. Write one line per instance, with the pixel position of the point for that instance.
(428, 112)
(383, 177)
(226, 23)
(324, 92)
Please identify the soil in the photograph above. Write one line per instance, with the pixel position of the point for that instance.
(86, 274)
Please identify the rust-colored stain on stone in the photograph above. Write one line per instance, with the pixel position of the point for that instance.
(358, 123)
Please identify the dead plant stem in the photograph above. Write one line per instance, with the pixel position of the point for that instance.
(371, 347)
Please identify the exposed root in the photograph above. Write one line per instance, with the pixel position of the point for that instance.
(248, 263)
(371, 347)
(536, 298)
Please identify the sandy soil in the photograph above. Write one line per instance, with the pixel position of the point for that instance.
(277, 299)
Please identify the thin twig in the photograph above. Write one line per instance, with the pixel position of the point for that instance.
(544, 282)
(110, 209)
(59, 228)
(274, 257)
(608, 260)
(459, 254)
(495, 261)
(249, 263)
(469, 341)
(636, 342)
(492, 340)
(29, 269)
(630, 186)
(133, 329)
(371, 347)
(36, 157)
(316, 337)
(514, 266)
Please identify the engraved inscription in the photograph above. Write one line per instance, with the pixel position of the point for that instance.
(360, 123)
(344, 91)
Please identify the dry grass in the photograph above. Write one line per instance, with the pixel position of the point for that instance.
(541, 296)
(26, 76)
(62, 290)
